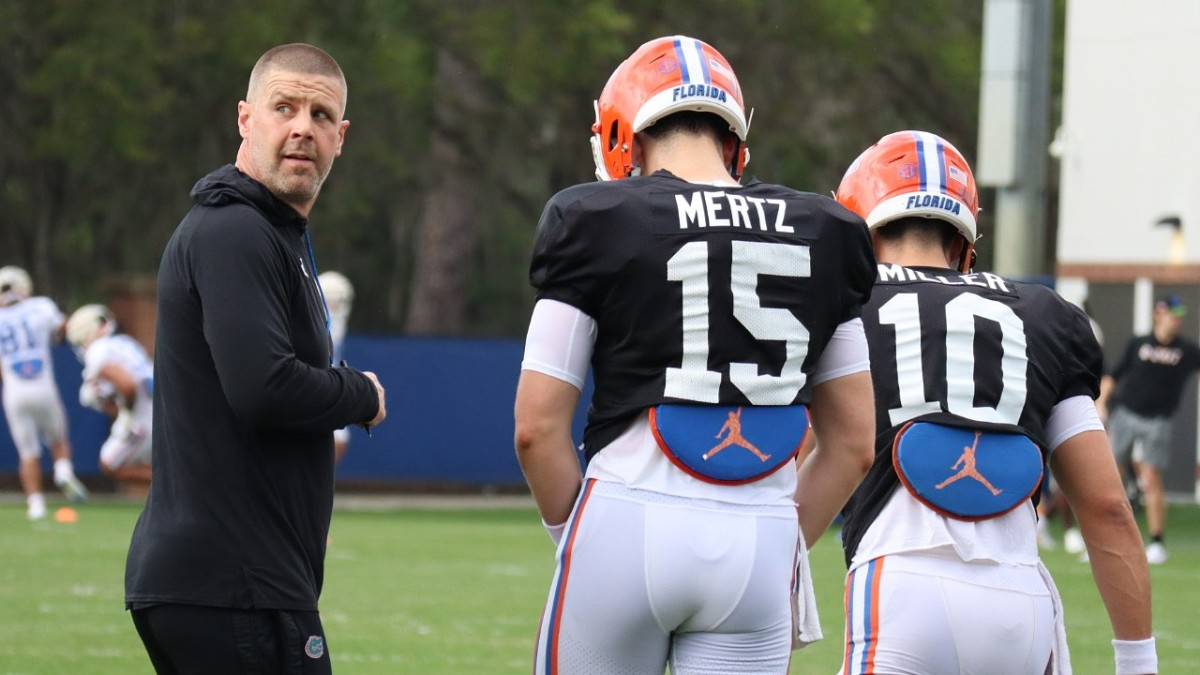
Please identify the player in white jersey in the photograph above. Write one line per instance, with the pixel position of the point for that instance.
(29, 327)
(981, 382)
(339, 298)
(118, 380)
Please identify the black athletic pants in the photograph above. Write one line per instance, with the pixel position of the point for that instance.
(186, 639)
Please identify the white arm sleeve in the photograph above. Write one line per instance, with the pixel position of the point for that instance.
(845, 354)
(1070, 417)
(560, 342)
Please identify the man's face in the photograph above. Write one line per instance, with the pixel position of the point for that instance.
(1166, 322)
(292, 131)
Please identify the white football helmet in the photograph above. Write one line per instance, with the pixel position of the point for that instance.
(15, 285)
(339, 292)
(87, 324)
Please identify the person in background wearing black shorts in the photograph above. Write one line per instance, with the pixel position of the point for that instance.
(1144, 388)
(227, 560)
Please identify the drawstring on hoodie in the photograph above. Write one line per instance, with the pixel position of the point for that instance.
(312, 261)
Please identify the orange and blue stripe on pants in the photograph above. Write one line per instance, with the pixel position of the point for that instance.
(862, 618)
(546, 654)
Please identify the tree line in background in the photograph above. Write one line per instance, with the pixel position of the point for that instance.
(466, 115)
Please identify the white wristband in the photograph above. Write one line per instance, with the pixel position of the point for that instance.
(1135, 657)
(555, 531)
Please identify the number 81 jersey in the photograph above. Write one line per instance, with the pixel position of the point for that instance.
(703, 294)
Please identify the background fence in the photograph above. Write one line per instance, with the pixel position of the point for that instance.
(449, 422)
(450, 400)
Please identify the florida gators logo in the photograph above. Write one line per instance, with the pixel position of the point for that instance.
(315, 647)
(968, 474)
(667, 65)
(751, 441)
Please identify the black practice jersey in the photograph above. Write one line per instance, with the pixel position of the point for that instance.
(974, 350)
(1150, 375)
(703, 294)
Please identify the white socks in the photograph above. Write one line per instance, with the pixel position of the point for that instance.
(37, 506)
(63, 471)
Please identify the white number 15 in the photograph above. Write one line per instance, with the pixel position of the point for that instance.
(693, 380)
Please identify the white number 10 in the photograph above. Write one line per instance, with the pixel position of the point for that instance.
(903, 312)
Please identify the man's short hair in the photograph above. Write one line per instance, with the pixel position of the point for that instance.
(296, 58)
(932, 230)
(689, 121)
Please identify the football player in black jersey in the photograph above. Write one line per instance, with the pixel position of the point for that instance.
(979, 381)
(714, 318)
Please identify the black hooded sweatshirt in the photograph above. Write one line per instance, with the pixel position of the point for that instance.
(245, 405)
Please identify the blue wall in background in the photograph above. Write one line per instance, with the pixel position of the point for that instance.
(449, 401)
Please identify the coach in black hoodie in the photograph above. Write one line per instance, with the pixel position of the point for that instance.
(227, 560)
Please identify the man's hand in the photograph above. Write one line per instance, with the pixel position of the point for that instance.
(382, 414)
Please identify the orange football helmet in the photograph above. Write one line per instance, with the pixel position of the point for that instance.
(914, 174)
(664, 76)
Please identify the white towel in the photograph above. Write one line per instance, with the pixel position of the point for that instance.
(1060, 656)
(806, 625)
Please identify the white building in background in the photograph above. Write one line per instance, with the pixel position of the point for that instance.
(1129, 140)
(1128, 149)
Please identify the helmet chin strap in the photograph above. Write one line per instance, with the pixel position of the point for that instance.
(966, 262)
(739, 150)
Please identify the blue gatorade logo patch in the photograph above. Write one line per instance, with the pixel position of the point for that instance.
(29, 368)
(729, 445)
(968, 474)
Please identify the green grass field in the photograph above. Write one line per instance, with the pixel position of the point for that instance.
(454, 591)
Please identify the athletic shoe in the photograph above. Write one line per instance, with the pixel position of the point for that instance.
(1073, 541)
(1156, 553)
(73, 489)
(36, 511)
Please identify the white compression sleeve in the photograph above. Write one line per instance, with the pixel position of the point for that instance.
(845, 354)
(560, 342)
